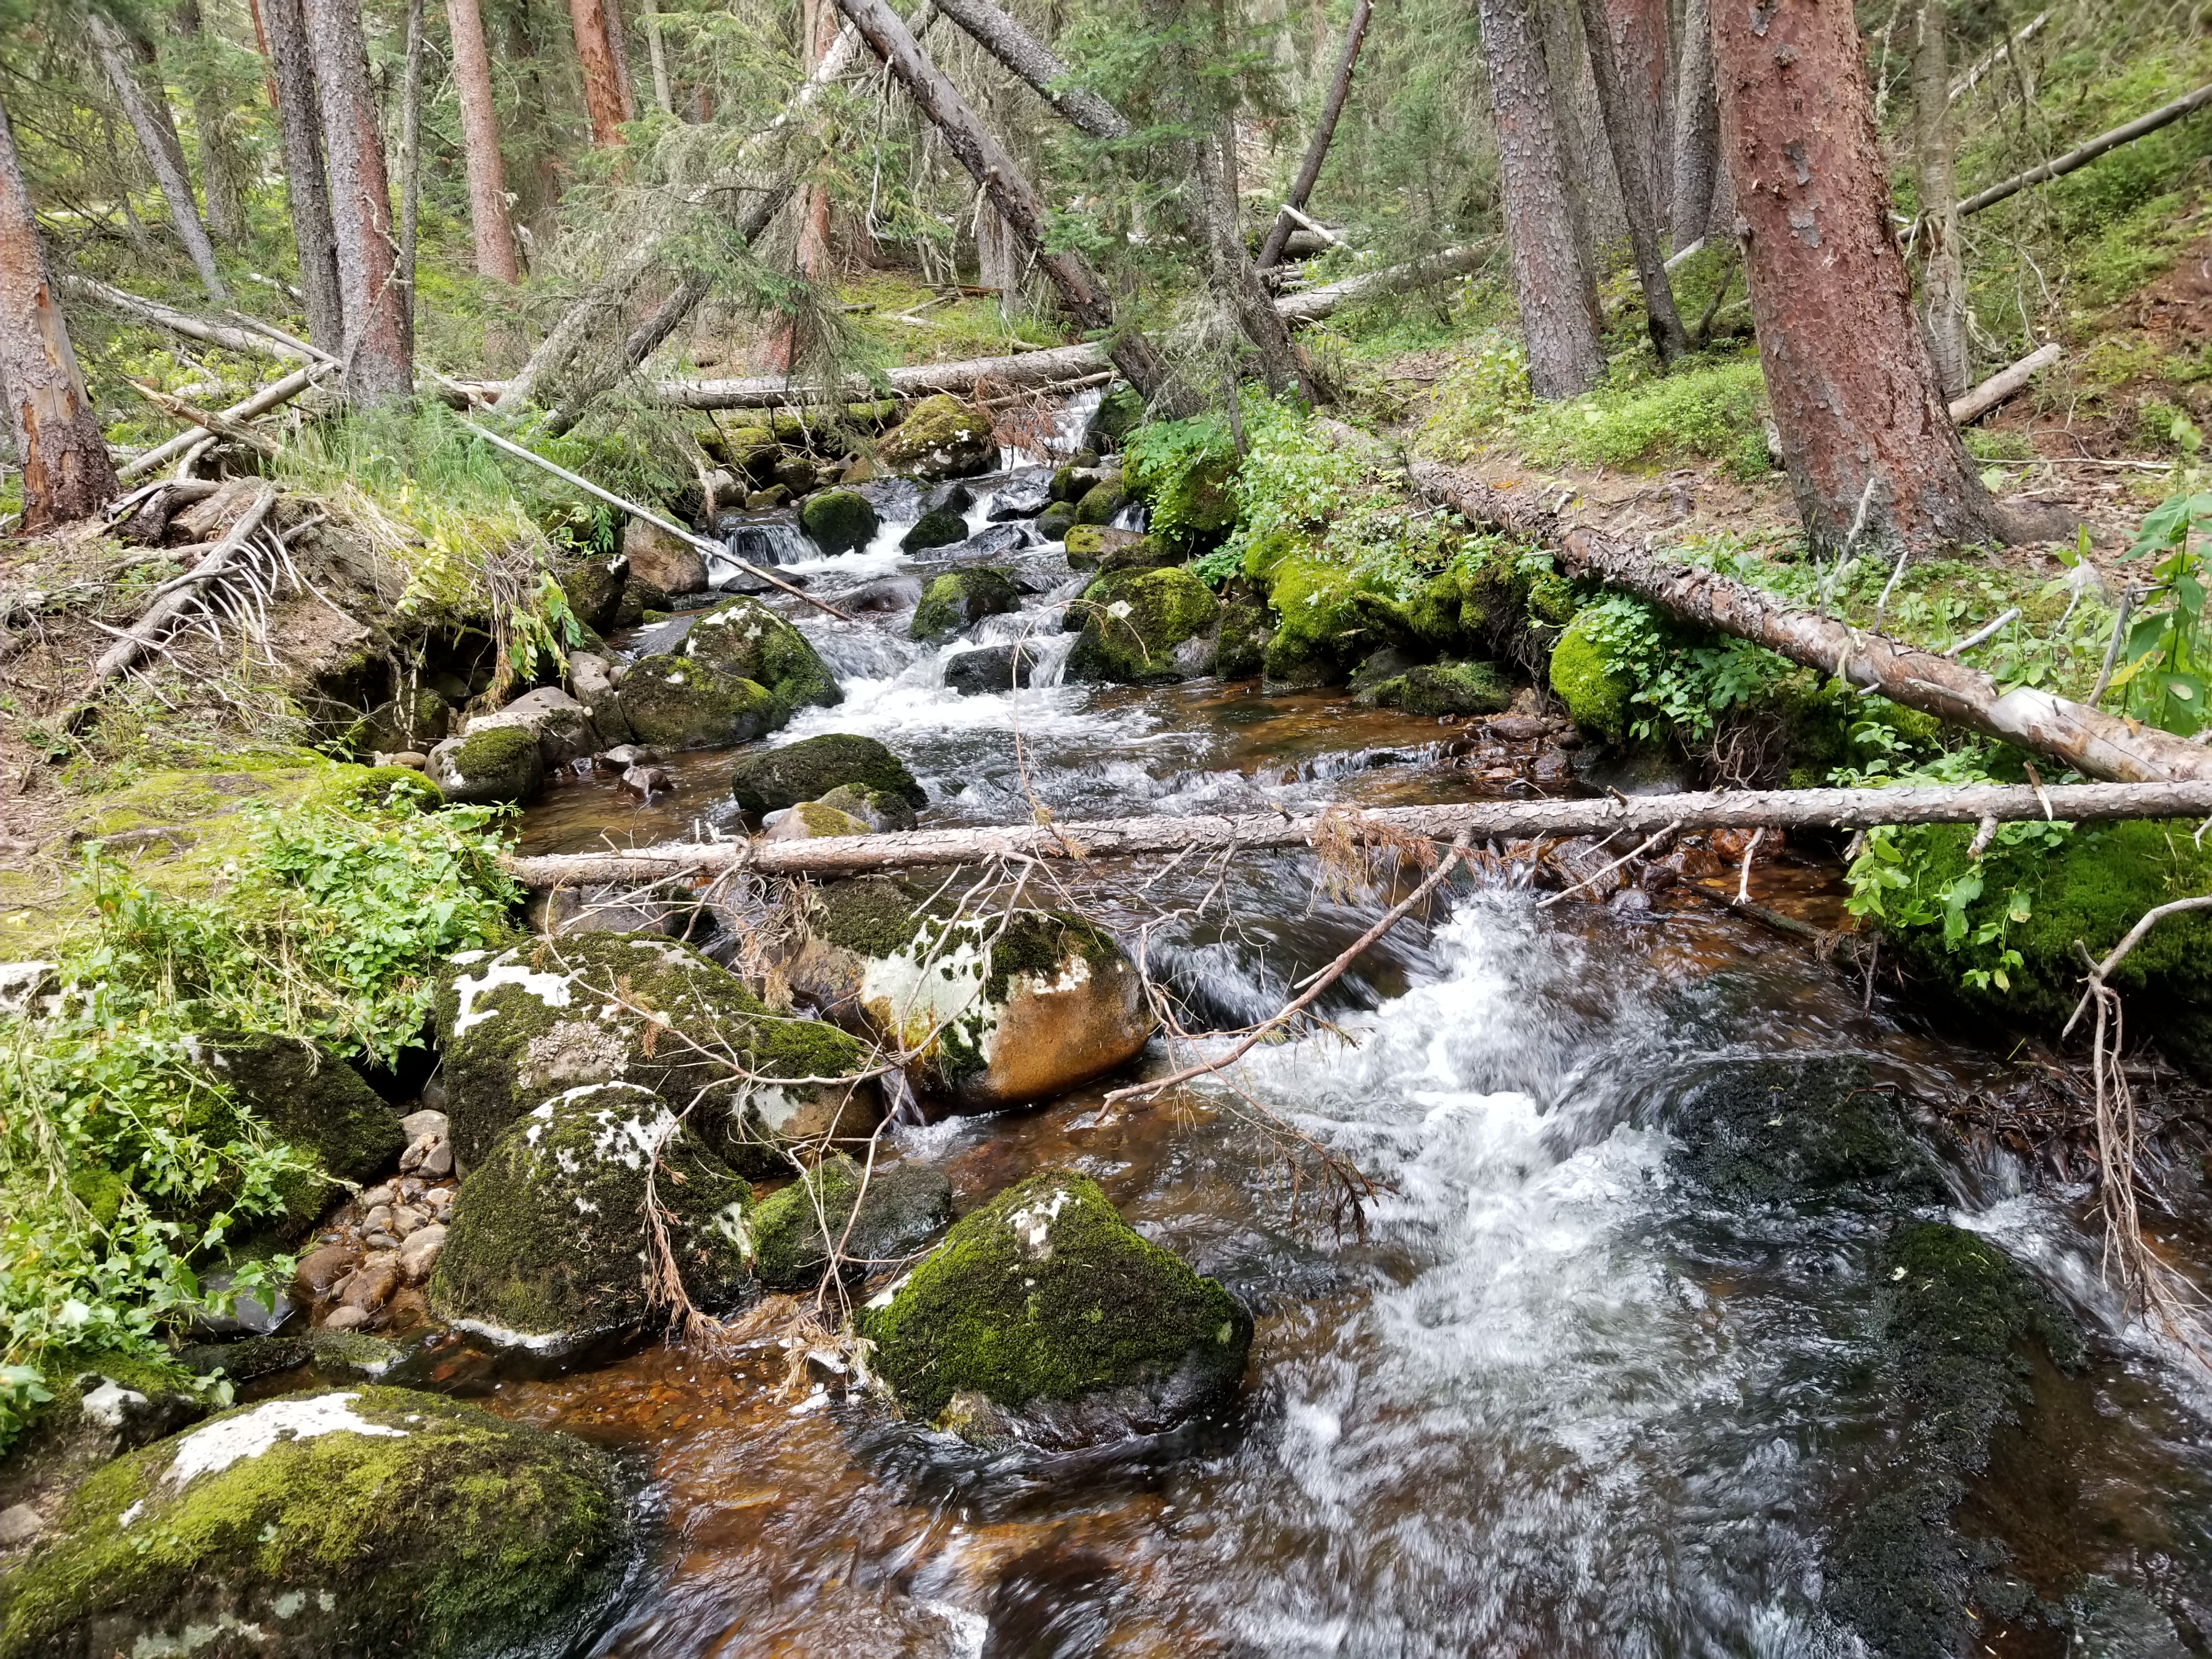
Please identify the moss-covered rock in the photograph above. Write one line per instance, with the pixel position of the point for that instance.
(1801, 1132)
(1054, 523)
(958, 599)
(670, 702)
(313, 1099)
(1089, 545)
(742, 638)
(1240, 649)
(562, 724)
(940, 437)
(939, 527)
(370, 1521)
(1099, 504)
(994, 1013)
(1055, 1310)
(1596, 697)
(1456, 687)
(1190, 489)
(1328, 619)
(879, 809)
(529, 1022)
(1146, 627)
(551, 1242)
(813, 820)
(839, 520)
(593, 588)
(772, 779)
(1120, 412)
(498, 766)
(905, 1205)
(401, 725)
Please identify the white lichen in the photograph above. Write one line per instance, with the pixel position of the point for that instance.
(551, 989)
(214, 1449)
(1032, 1223)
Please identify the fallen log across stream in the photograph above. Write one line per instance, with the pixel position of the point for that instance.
(2087, 740)
(1823, 809)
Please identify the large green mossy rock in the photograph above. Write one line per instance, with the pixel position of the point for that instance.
(499, 766)
(1596, 697)
(1045, 1316)
(668, 702)
(314, 1100)
(809, 770)
(938, 527)
(1120, 412)
(745, 639)
(839, 520)
(554, 1239)
(558, 1014)
(1456, 687)
(1328, 619)
(958, 599)
(1145, 628)
(350, 1525)
(994, 1011)
(902, 1207)
(1803, 1133)
(940, 437)
(593, 588)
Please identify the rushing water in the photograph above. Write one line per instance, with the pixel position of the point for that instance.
(1548, 1404)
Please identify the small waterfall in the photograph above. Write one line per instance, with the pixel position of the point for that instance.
(854, 651)
(1069, 422)
(761, 542)
(1133, 515)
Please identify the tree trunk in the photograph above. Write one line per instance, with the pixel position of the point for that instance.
(997, 257)
(410, 153)
(1594, 201)
(1697, 127)
(663, 97)
(157, 141)
(1339, 88)
(299, 110)
(66, 473)
(602, 90)
(1559, 325)
(1943, 265)
(618, 50)
(1625, 109)
(1636, 34)
(222, 169)
(1234, 276)
(1865, 435)
(380, 348)
(1036, 65)
(488, 220)
(987, 162)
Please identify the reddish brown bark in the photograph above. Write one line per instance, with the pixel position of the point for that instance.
(306, 184)
(603, 100)
(1697, 131)
(494, 233)
(1866, 437)
(66, 473)
(1637, 32)
(379, 347)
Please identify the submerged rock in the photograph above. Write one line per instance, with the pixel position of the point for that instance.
(993, 668)
(839, 520)
(550, 1239)
(502, 766)
(1801, 1131)
(1044, 1316)
(905, 1205)
(940, 437)
(994, 1011)
(809, 770)
(368, 1522)
(1145, 628)
(1448, 687)
(958, 599)
(529, 1022)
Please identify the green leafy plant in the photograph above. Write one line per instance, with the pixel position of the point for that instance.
(2168, 670)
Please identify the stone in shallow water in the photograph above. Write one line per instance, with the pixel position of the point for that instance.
(904, 1205)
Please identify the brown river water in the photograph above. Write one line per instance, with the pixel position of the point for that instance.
(1546, 1406)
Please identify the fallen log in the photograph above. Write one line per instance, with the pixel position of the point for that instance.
(1028, 369)
(1981, 399)
(2059, 166)
(269, 396)
(248, 342)
(173, 596)
(205, 421)
(2092, 742)
(1823, 809)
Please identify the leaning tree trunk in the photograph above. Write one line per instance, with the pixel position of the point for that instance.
(988, 163)
(1332, 109)
(380, 348)
(488, 221)
(299, 112)
(1623, 106)
(602, 90)
(157, 140)
(1697, 127)
(222, 169)
(1558, 325)
(1866, 437)
(1943, 265)
(67, 475)
(1037, 65)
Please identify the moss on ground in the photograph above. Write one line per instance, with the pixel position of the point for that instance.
(956, 601)
(1046, 1294)
(417, 1525)
(1133, 621)
(811, 768)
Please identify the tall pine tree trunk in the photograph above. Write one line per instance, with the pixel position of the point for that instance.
(379, 349)
(1559, 326)
(603, 101)
(1697, 127)
(1593, 199)
(1332, 110)
(299, 112)
(1636, 31)
(149, 116)
(1624, 107)
(410, 153)
(1943, 265)
(66, 473)
(222, 169)
(618, 50)
(657, 49)
(487, 218)
(1866, 437)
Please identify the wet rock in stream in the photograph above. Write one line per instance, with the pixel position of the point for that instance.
(956, 601)
(992, 668)
(732, 674)
(499, 766)
(1144, 628)
(777, 778)
(905, 1205)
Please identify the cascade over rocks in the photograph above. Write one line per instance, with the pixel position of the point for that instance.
(550, 1241)
(809, 769)
(992, 1012)
(372, 1522)
(530, 1020)
(1045, 1318)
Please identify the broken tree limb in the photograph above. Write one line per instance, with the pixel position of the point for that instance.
(2098, 744)
(205, 419)
(1996, 55)
(1311, 305)
(249, 342)
(1339, 88)
(1787, 809)
(2058, 165)
(146, 632)
(2001, 385)
(269, 396)
(1036, 64)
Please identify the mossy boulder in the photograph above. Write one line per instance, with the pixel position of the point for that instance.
(551, 1242)
(940, 437)
(1240, 647)
(1146, 627)
(1802, 1134)
(501, 765)
(812, 820)
(670, 702)
(561, 724)
(1045, 1316)
(938, 527)
(1054, 523)
(958, 599)
(1595, 696)
(364, 1523)
(772, 779)
(1120, 412)
(529, 1022)
(742, 638)
(877, 810)
(1456, 687)
(904, 1205)
(839, 520)
(1088, 544)
(1328, 618)
(1189, 488)
(1100, 503)
(593, 588)
(314, 1100)
(995, 1011)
